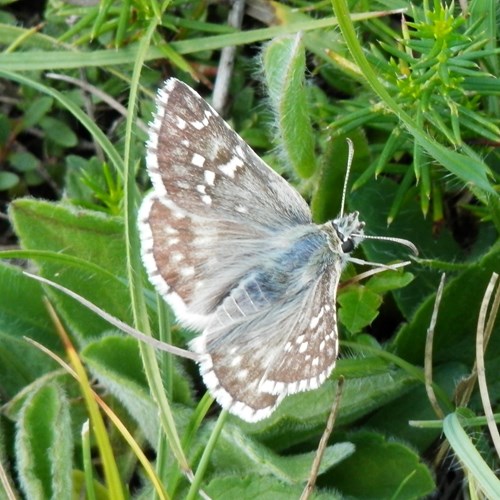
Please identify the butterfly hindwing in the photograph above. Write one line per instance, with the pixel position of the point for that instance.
(243, 371)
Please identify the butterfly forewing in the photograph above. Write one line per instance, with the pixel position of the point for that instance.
(202, 166)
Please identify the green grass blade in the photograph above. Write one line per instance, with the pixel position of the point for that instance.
(470, 457)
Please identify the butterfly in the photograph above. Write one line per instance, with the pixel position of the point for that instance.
(232, 248)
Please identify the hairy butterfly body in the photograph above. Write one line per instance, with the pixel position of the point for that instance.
(233, 250)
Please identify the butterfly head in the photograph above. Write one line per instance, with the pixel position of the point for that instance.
(349, 230)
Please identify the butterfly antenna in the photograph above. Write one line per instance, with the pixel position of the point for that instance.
(350, 156)
(400, 241)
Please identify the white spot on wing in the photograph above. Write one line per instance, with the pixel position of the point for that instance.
(197, 160)
(210, 379)
(272, 387)
(187, 272)
(314, 321)
(155, 125)
(231, 166)
(161, 97)
(236, 360)
(198, 125)
(176, 257)
(152, 163)
(313, 383)
(267, 386)
(170, 230)
(209, 177)
(180, 123)
(241, 209)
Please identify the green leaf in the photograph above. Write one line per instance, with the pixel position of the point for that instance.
(80, 487)
(98, 135)
(37, 109)
(388, 280)
(325, 203)
(23, 161)
(468, 168)
(5, 129)
(117, 365)
(44, 445)
(238, 452)
(8, 180)
(250, 487)
(389, 470)
(77, 168)
(23, 313)
(358, 308)
(58, 131)
(88, 257)
(284, 65)
(33, 178)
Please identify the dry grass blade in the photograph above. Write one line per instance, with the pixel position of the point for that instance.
(162, 346)
(484, 328)
(428, 351)
(323, 443)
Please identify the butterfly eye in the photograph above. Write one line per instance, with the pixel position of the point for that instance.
(348, 246)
